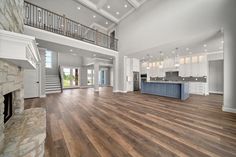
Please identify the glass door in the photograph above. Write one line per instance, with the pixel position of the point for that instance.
(71, 77)
(102, 79)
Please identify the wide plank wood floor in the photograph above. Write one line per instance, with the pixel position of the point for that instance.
(81, 123)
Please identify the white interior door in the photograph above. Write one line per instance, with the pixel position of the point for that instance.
(31, 83)
(216, 76)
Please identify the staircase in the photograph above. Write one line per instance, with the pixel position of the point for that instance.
(53, 84)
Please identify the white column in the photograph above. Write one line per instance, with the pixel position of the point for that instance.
(115, 73)
(229, 68)
(96, 77)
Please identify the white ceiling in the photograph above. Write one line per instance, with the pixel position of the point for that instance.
(51, 46)
(205, 43)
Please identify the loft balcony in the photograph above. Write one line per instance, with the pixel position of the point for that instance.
(44, 19)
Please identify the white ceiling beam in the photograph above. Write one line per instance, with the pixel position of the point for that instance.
(99, 11)
(134, 3)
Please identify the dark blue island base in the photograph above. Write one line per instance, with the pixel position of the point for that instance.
(179, 90)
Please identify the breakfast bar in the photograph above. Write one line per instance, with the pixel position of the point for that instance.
(179, 90)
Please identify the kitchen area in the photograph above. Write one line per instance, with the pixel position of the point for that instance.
(179, 72)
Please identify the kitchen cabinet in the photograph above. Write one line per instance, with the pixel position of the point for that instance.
(199, 88)
(135, 65)
(195, 66)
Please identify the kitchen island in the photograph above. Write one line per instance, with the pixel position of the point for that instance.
(179, 90)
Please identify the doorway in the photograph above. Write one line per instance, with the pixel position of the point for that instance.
(70, 77)
(102, 78)
(31, 83)
(112, 39)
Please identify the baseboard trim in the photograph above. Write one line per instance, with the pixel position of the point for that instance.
(119, 91)
(216, 92)
(226, 109)
(42, 96)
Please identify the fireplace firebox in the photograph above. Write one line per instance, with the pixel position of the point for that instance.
(7, 107)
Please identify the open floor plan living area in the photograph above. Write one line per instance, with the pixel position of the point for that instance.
(117, 78)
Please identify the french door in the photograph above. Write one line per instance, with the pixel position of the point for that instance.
(70, 77)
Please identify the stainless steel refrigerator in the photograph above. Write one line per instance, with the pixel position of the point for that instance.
(136, 81)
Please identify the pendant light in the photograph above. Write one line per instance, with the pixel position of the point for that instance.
(148, 59)
(177, 58)
(161, 60)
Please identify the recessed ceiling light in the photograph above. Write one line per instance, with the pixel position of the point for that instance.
(205, 50)
(205, 45)
(108, 6)
(173, 52)
(222, 42)
(71, 50)
(187, 49)
(111, 58)
(125, 5)
(94, 16)
(37, 44)
(106, 23)
(78, 8)
(117, 13)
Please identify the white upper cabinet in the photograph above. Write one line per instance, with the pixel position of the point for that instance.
(195, 65)
(136, 65)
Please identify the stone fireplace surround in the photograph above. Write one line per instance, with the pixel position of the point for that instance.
(24, 134)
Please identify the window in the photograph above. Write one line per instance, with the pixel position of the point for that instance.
(48, 59)
(90, 76)
(194, 59)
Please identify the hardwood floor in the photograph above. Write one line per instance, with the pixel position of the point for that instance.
(81, 123)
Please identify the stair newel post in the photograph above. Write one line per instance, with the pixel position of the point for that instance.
(96, 37)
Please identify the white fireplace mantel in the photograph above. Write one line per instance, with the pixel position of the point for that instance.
(19, 49)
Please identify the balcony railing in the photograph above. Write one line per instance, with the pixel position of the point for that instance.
(41, 18)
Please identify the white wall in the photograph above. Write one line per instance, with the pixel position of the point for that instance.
(69, 60)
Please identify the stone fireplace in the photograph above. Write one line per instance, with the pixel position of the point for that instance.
(22, 132)
(11, 81)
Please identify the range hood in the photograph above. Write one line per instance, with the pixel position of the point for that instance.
(19, 49)
(172, 73)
